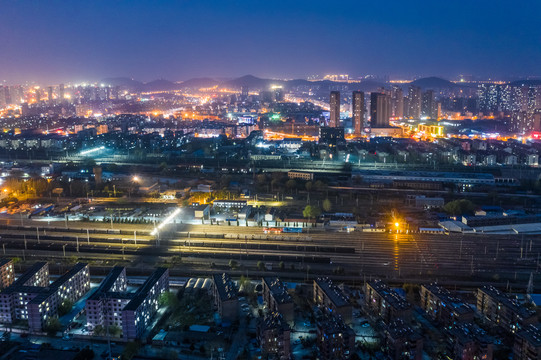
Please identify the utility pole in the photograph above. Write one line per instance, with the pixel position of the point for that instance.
(87, 237)
(135, 237)
(37, 233)
(25, 242)
(77, 239)
(64, 249)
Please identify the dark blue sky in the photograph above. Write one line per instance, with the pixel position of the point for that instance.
(57, 41)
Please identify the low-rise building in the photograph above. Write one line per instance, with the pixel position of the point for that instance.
(401, 342)
(277, 298)
(69, 287)
(138, 313)
(201, 211)
(335, 340)
(245, 212)
(333, 299)
(502, 310)
(424, 202)
(132, 312)
(104, 305)
(32, 298)
(274, 336)
(229, 204)
(14, 298)
(527, 344)
(442, 307)
(381, 301)
(303, 175)
(225, 295)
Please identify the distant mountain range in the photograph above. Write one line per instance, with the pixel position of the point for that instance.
(256, 83)
(134, 85)
(249, 81)
(434, 83)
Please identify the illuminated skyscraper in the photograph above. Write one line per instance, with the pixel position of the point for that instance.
(357, 110)
(397, 102)
(380, 109)
(414, 95)
(334, 120)
(490, 98)
(429, 106)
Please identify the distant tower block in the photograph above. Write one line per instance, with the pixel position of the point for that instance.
(334, 120)
(357, 109)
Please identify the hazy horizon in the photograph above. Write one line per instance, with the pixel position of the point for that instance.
(56, 41)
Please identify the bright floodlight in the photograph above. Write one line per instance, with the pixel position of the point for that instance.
(135, 178)
(396, 224)
(90, 151)
(166, 221)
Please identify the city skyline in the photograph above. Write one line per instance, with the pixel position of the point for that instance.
(288, 180)
(54, 43)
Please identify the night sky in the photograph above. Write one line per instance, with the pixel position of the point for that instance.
(59, 41)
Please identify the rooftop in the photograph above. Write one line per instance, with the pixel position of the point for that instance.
(398, 329)
(142, 292)
(107, 283)
(507, 301)
(333, 325)
(47, 291)
(278, 290)
(227, 290)
(468, 332)
(532, 334)
(23, 279)
(449, 300)
(332, 291)
(390, 296)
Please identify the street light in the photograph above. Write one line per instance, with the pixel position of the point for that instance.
(166, 221)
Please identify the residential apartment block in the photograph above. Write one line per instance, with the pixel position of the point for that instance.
(381, 301)
(277, 298)
(442, 307)
(333, 299)
(502, 310)
(225, 294)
